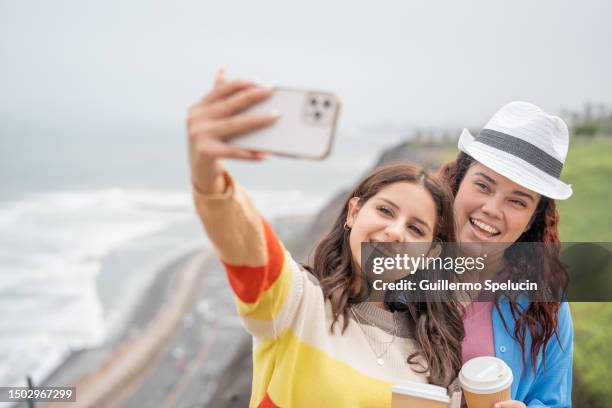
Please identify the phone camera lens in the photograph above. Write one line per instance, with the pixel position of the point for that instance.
(313, 102)
(326, 103)
(317, 115)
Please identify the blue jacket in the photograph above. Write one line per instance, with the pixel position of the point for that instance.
(551, 384)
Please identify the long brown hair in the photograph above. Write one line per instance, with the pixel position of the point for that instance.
(437, 327)
(539, 318)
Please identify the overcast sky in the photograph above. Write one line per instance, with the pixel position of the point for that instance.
(428, 63)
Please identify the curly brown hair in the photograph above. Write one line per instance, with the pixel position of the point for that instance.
(436, 326)
(540, 264)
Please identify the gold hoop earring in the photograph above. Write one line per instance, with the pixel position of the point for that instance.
(346, 227)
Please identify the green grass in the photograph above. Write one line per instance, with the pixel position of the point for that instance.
(592, 353)
(586, 217)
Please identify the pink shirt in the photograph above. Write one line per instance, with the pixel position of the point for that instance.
(478, 325)
(478, 340)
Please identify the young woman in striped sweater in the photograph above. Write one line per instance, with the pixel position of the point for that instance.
(314, 343)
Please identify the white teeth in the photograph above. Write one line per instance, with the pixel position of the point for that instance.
(484, 226)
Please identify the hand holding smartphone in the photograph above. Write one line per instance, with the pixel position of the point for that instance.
(234, 121)
(305, 126)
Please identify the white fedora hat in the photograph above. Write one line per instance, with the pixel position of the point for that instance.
(524, 144)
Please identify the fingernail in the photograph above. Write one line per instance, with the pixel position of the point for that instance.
(257, 155)
(263, 84)
(274, 113)
(221, 72)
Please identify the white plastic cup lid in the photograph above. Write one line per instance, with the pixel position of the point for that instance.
(421, 390)
(485, 375)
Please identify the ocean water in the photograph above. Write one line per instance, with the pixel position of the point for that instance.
(88, 217)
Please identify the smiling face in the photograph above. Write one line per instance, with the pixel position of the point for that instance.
(492, 208)
(399, 212)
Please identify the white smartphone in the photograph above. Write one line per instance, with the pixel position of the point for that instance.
(304, 129)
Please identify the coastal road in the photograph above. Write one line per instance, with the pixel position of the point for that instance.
(186, 372)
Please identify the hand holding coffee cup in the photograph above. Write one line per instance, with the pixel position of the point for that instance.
(485, 381)
(407, 394)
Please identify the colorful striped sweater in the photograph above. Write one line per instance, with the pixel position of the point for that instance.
(297, 361)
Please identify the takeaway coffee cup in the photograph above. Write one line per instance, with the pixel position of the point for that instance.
(485, 381)
(408, 394)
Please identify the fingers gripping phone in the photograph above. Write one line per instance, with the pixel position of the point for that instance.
(305, 127)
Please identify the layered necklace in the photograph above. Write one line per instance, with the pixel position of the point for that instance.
(379, 357)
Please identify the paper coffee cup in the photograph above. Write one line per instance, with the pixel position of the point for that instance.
(485, 381)
(408, 394)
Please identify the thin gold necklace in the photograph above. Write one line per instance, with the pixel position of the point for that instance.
(379, 359)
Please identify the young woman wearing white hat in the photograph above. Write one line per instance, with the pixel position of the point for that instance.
(505, 181)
